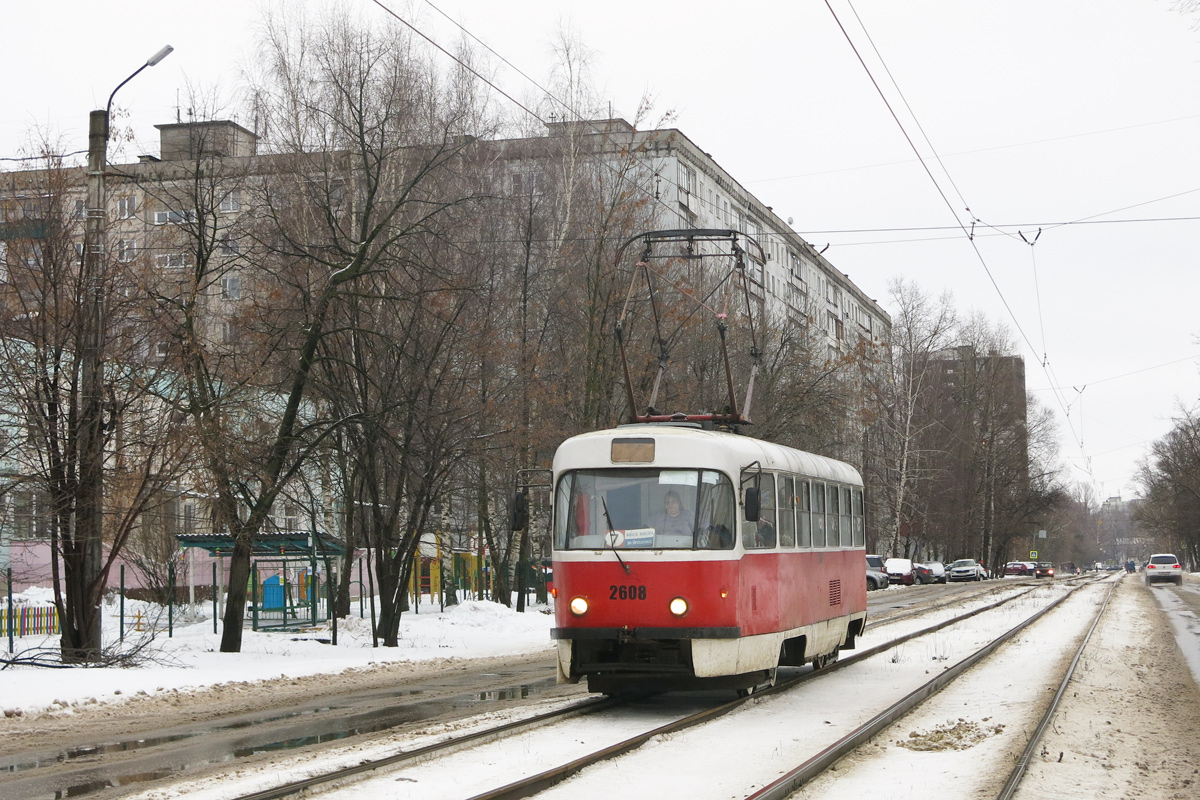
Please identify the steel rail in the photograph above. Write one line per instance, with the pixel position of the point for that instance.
(446, 747)
(1022, 765)
(534, 784)
(787, 784)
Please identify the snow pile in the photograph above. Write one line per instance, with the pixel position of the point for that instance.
(33, 597)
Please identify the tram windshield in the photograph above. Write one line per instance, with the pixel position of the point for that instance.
(656, 509)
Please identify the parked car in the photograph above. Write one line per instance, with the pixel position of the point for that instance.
(1164, 567)
(877, 577)
(900, 570)
(967, 569)
(1019, 568)
(1044, 569)
(931, 572)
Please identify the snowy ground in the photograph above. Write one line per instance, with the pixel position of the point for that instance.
(189, 660)
(1130, 727)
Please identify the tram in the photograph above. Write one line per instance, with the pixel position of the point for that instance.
(688, 558)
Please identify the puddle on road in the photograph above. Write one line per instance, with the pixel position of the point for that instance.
(328, 730)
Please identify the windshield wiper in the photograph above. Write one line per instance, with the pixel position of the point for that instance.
(612, 536)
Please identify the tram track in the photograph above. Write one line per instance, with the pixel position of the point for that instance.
(819, 763)
(534, 784)
(526, 786)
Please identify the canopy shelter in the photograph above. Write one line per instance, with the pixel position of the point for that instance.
(268, 544)
(288, 584)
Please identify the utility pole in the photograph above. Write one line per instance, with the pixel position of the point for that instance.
(87, 556)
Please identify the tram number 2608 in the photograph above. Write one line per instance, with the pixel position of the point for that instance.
(629, 592)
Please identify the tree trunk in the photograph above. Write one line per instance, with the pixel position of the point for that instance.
(235, 598)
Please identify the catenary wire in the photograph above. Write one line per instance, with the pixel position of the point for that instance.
(969, 234)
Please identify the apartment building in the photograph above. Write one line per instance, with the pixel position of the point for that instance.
(214, 165)
(689, 189)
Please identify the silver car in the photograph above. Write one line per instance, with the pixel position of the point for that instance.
(877, 577)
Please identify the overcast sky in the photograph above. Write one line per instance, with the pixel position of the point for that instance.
(1039, 112)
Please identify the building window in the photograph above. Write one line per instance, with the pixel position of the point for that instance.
(161, 350)
(126, 250)
(527, 183)
(230, 203)
(229, 245)
(174, 217)
(188, 523)
(80, 209)
(173, 260)
(228, 332)
(31, 515)
(231, 287)
(126, 207)
(289, 517)
(687, 184)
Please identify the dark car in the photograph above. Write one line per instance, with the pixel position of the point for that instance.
(931, 572)
(1044, 569)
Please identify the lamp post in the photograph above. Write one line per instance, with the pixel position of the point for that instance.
(89, 524)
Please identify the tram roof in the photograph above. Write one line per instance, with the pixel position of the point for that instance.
(682, 445)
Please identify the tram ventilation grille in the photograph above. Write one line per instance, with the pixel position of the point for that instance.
(835, 592)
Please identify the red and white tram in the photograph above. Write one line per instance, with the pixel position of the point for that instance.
(690, 558)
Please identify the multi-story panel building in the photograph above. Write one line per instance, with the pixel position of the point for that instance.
(194, 197)
(689, 189)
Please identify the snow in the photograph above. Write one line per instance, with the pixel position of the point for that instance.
(189, 659)
(975, 726)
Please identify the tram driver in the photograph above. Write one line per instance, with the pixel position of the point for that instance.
(675, 520)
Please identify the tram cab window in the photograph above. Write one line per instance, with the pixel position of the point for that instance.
(803, 517)
(656, 509)
(787, 511)
(760, 534)
(818, 514)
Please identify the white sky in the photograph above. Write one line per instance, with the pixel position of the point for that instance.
(1042, 112)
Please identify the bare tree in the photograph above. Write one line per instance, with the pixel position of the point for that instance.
(44, 303)
(365, 133)
(903, 425)
(1170, 481)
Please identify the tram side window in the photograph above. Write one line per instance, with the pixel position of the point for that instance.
(787, 511)
(803, 522)
(831, 515)
(844, 510)
(761, 534)
(860, 525)
(818, 514)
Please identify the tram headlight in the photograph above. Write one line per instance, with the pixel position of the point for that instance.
(678, 606)
(579, 606)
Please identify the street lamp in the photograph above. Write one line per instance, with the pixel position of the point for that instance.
(89, 522)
